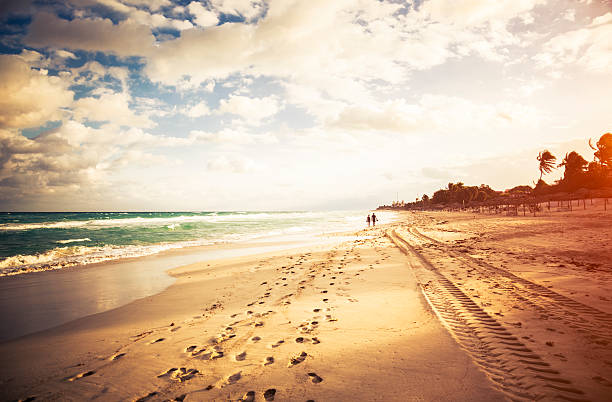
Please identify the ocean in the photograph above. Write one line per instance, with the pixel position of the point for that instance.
(38, 241)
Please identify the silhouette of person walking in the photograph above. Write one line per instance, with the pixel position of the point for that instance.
(368, 220)
(374, 219)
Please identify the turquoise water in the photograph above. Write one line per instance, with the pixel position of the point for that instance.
(44, 241)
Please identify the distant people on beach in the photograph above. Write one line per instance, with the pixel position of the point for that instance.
(368, 220)
(374, 219)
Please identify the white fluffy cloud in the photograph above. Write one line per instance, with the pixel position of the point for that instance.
(588, 47)
(198, 110)
(248, 9)
(109, 107)
(203, 16)
(74, 157)
(29, 98)
(252, 110)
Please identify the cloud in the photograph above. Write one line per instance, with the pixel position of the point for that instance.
(570, 15)
(477, 12)
(249, 9)
(153, 5)
(109, 107)
(29, 98)
(74, 157)
(198, 110)
(602, 19)
(431, 114)
(231, 163)
(203, 16)
(231, 136)
(252, 110)
(588, 47)
(65, 54)
(340, 48)
(93, 34)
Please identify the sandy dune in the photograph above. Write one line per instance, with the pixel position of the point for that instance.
(438, 306)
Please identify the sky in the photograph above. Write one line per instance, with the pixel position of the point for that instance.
(291, 104)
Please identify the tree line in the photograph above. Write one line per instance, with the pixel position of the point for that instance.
(580, 178)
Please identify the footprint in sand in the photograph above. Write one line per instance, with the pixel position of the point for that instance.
(240, 357)
(157, 340)
(269, 394)
(116, 356)
(315, 378)
(268, 360)
(255, 339)
(82, 375)
(248, 397)
(603, 381)
(277, 344)
(183, 374)
(179, 374)
(231, 379)
(146, 397)
(297, 359)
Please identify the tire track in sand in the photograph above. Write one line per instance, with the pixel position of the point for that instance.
(593, 324)
(513, 368)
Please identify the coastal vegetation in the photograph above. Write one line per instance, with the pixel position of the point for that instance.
(581, 180)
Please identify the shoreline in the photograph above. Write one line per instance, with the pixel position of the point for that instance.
(172, 233)
(58, 296)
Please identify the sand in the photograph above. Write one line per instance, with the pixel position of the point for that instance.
(438, 306)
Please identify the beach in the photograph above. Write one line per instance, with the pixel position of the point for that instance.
(434, 306)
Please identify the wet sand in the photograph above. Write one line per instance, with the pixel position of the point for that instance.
(41, 300)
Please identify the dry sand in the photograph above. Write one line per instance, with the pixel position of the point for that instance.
(528, 298)
(438, 306)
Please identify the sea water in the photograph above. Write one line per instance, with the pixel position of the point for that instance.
(40, 241)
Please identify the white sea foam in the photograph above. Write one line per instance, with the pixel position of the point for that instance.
(61, 257)
(159, 221)
(73, 240)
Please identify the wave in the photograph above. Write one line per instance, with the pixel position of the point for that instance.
(73, 240)
(67, 255)
(64, 257)
(158, 221)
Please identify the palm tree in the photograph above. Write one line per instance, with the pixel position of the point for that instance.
(547, 162)
(603, 149)
(574, 175)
